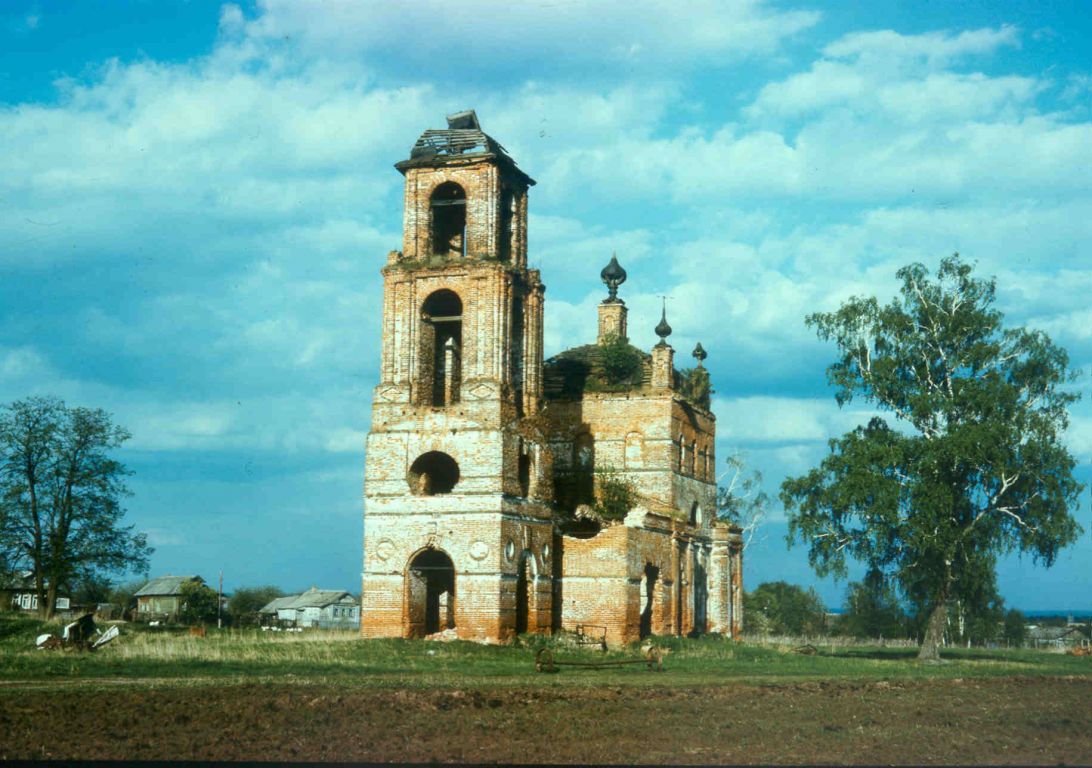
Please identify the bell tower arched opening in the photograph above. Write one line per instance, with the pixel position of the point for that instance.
(440, 357)
(447, 208)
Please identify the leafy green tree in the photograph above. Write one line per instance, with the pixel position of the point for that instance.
(872, 609)
(92, 589)
(740, 498)
(1016, 627)
(124, 597)
(200, 603)
(60, 496)
(780, 608)
(973, 467)
(244, 604)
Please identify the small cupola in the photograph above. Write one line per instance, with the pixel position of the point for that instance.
(612, 310)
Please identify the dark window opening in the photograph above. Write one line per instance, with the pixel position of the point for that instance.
(695, 514)
(441, 347)
(584, 469)
(508, 224)
(516, 347)
(693, 456)
(524, 474)
(448, 207)
(431, 593)
(432, 473)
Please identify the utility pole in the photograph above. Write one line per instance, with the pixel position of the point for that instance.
(220, 602)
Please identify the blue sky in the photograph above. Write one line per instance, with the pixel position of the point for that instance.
(196, 198)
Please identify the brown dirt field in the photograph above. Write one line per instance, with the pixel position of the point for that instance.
(1005, 720)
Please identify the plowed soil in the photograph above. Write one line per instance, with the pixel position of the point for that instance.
(1003, 720)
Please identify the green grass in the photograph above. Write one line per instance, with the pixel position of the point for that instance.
(171, 657)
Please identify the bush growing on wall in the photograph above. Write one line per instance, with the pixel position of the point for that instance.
(615, 495)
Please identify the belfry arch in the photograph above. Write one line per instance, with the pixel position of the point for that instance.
(440, 355)
(447, 209)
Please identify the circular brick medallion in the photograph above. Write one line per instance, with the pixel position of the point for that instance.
(479, 550)
(384, 549)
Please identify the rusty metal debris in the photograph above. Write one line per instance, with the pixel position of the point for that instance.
(592, 634)
(653, 660)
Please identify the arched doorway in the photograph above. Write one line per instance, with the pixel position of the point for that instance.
(648, 595)
(430, 593)
(701, 599)
(525, 583)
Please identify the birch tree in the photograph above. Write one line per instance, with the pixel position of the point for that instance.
(971, 464)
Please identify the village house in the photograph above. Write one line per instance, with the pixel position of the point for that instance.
(1053, 638)
(161, 598)
(505, 493)
(17, 593)
(320, 608)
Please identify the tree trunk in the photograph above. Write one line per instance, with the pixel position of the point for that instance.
(51, 599)
(934, 633)
(39, 591)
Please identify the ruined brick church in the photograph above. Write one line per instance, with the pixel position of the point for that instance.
(505, 493)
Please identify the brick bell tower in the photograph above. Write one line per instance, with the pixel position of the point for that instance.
(457, 526)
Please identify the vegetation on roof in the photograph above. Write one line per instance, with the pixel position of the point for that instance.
(616, 366)
(695, 386)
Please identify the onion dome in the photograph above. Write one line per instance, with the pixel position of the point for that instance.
(700, 354)
(663, 330)
(613, 276)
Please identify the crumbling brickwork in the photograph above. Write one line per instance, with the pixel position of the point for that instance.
(484, 462)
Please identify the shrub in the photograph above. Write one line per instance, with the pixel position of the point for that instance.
(615, 495)
(620, 361)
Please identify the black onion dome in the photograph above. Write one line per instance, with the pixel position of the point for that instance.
(663, 330)
(613, 276)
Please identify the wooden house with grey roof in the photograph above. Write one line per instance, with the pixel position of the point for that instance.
(161, 598)
(321, 608)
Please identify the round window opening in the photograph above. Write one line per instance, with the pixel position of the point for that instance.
(432, 473)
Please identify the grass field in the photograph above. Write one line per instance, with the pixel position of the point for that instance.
(331, 696)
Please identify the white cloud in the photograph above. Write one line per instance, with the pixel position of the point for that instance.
(483, 34)
(762, 419)
(934, 48)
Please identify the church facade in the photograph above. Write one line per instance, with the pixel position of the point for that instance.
(505, 493)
